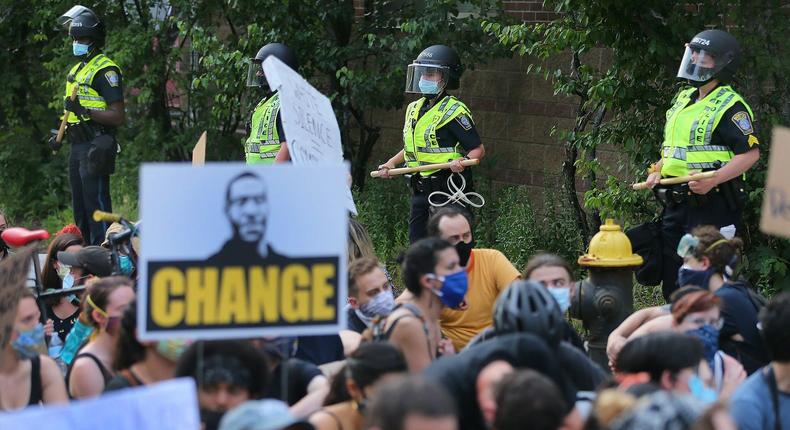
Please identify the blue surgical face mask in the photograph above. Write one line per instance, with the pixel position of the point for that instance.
(80, 49)
(28, 342)
(68, 281)
(453, 289)
(703, 393)
(380, 305)
(562, 296)
(709, 336)
(125, 265)
(428, 87)
(689, 276)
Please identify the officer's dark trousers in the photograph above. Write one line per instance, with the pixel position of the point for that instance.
(418, 217)
(88, 193)
(679, 219)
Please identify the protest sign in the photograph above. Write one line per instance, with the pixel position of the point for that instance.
(199, 151)
(13, 276)
(235, 251)
(308, 119)
(170, 405)
(775, 218)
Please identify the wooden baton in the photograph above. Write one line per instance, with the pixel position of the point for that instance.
(439, 166)
(66, 114)
(677, 180)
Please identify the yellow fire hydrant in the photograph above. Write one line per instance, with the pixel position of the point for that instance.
(605, 298)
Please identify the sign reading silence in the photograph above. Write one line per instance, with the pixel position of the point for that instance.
(308, 121)
(235, 251)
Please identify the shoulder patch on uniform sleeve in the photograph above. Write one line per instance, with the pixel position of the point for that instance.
(742, 121)
(753, 140)
(464, 121)
(112, 78)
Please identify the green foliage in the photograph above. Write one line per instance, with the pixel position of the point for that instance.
(622, 65)
(184, 69)
(513, 226)
(381, 207)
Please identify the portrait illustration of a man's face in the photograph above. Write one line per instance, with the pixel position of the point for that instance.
(247, 207)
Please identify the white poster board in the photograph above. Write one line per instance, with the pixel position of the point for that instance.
(170, 405)
(775, 218)
(237, 251)
(308, 120)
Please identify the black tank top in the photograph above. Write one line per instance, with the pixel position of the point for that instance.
(36, 387)
(106, 374)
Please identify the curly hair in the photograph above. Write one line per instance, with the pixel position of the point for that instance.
(236, 357)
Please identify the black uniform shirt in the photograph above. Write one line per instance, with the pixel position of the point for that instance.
(280, 129)
(735, 129)
(461, 130)
(108, 82)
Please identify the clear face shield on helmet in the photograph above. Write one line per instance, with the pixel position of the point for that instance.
(255, 76)
(699, 65)
(65, 19)
(426, 79)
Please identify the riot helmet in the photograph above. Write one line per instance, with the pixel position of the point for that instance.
(711, 54)
(82, 22)
(255, 76)
(436, 69)
(528, 307)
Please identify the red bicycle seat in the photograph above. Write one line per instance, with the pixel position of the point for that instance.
(18, 236)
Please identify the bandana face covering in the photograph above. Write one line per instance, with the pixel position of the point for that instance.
(28, 342)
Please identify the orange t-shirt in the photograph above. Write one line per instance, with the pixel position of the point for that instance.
(490, 272)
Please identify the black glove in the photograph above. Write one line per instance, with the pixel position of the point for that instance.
(52, 142)
(75, 107)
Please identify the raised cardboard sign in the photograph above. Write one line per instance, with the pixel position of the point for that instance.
(775, 217)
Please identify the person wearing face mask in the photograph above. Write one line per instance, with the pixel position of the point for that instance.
(227, 373)
(669, 361)
(697, 312)
(138, 362)
(369, 293)
(62, 309)
(711, 261)
(488, 270)
(438, 129)
(128, 252)
(28, 378)
(103, 305)
(432, 273)
(709, 128)
(554, 273)
(373, 363)
(94, 115)
(265, 127)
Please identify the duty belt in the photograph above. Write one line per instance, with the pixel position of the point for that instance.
(674, 195)
(255, 148)
(83, 131)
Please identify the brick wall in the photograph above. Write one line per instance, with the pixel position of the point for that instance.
(514, 112)
(529, 11)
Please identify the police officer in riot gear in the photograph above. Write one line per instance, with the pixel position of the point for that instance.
(709, 128)
(438, 129)
(95, 113)
(266, 133)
